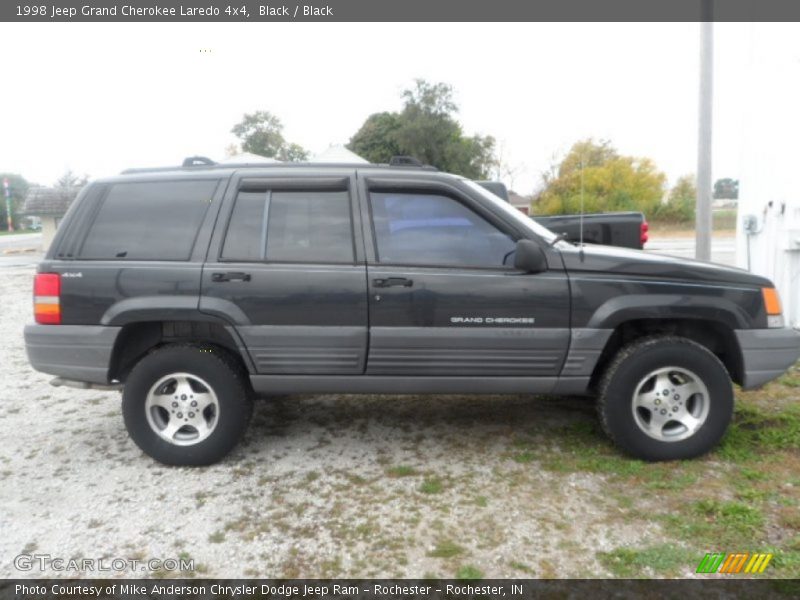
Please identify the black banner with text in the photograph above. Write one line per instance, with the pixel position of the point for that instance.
(387, 589)
(405, 10)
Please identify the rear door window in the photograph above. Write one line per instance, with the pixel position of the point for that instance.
(149, 220)
(307, 226)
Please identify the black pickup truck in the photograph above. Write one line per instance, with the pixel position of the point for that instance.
(194, 289)
(624, 229)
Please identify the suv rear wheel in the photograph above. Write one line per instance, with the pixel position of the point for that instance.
(665, 398)
(187, 404)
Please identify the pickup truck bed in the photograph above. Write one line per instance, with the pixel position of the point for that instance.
(625, 229)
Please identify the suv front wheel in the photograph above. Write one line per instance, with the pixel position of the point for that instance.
(186, 404)
(665, 398)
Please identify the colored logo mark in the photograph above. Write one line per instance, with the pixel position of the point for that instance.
(736, 562)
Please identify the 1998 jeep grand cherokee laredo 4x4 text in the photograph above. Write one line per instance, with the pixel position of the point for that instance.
(198, 287)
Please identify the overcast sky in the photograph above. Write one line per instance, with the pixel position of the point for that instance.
(97, 98)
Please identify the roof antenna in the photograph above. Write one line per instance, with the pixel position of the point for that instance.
(581, 215)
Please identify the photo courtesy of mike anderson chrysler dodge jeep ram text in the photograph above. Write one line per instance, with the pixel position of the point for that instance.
(195, 289)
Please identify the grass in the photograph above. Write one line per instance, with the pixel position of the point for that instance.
(665, 480)
(217, 537)
(791, 378)
(17, 232)
(709, 526)
(366, 530)
(721, 220)
(757, 431)
(401, 471)
(735, 521)
(662, 559)
(742, 497)
(446, 549)
(431, 485)
(581, 447)
(469, 572)
(519, 566)
(524, 457)
(724, 219)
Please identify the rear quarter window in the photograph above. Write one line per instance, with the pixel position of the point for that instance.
(149, 220)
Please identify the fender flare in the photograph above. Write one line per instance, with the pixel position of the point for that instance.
(156, 309)
(632, 307)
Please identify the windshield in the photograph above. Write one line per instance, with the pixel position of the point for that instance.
(512, 212)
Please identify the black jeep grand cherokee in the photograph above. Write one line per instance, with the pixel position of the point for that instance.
(195, 288)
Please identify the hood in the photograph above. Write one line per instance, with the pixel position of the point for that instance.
(628, 262)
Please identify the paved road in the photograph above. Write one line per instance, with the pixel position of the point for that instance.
(19, 241)
(20, 250)
(19, 260)
(723, 249)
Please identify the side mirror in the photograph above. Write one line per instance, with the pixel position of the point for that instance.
(530, 257)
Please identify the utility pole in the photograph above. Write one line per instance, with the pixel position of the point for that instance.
(703, 213)
(7, 192)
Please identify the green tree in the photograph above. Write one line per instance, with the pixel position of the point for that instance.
(681, 202)
(726, 189)
(293, 153)
(426, 129)
(18, 188)
(605, 180)
(261, 133)
(377, 139)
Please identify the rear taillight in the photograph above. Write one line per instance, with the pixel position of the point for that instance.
(643, 237)
(47, 298)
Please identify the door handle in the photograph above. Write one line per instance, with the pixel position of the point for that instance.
(393, 282)
(230, 276)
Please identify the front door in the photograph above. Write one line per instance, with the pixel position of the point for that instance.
(444, 298)
(286, 272)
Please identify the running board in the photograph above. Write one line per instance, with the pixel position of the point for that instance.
(84, 385)
(382, 384)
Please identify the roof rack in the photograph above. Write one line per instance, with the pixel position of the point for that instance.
(405, 161)
(198, 161)
(203, 162)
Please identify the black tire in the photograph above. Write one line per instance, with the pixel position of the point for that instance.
(226, 417)
(626, 423)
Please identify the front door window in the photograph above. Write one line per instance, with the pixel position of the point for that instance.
(432, 229)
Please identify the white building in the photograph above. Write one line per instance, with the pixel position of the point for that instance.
(768, 224)
(49, 205)
(336, 153)
(248, 158)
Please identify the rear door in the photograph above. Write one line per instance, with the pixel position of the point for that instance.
(445, 299)
(134, 249)
(284, 267)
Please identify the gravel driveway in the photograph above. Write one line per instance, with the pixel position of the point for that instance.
(325, 485)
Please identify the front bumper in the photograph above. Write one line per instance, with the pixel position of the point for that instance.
(767, 353)
(76, 352)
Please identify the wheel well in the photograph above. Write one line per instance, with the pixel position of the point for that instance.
(137, 339)
(718, 338)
